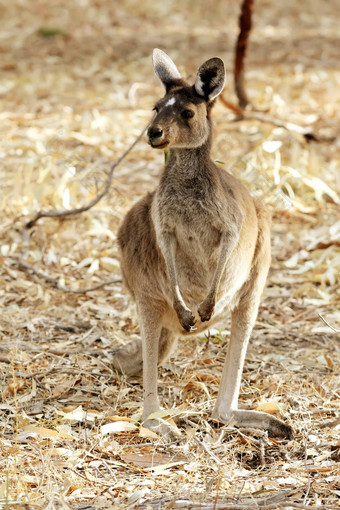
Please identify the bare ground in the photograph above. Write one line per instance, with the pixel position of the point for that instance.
(76, 89)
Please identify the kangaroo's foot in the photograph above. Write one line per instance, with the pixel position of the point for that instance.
(257, 420)
(163, 429)
(129, 359)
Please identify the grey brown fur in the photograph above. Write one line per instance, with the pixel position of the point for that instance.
(194, 249)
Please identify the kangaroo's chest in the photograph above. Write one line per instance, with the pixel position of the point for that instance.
(192, 211)
(197, 225)
(195, 218)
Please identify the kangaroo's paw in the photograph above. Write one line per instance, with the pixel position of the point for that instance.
(187, 320)
(185, 317)
(206, 309)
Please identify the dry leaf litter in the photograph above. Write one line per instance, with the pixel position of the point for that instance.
(76, 89)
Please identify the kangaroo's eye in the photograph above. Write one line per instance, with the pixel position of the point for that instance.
(187, 114)
(156, 109)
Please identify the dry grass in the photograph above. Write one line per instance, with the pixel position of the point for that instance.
(76, 89)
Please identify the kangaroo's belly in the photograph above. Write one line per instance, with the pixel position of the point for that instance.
(196, 265)
(197, 254)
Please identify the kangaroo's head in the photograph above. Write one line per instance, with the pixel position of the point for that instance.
(182, 117)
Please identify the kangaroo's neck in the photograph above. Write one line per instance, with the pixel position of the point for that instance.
(191, 162)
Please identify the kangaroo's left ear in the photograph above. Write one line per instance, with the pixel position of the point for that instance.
(210, 79)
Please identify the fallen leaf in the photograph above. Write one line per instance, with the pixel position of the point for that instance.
(60, 452)
(27, 398)
(137, 497)
(120, 418)
(151, 460)
(79, 414)
(162, 413)
(109, 263)
(148, 433)
(271, 145)
(269, 407)
(13, 388)
(46, 433)
(64, 387)
(117, 426)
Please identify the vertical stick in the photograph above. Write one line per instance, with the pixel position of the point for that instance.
(241, 48)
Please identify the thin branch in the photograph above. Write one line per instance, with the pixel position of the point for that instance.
(96, 482)
(255, 503)
(31, 270)
(231, 106)
(30, 375)
(305, 131)
(192, 505)
(282, 499)
(64, 213)
(206, 449)
(241, 49)
(328, 324)
(245, 25)
(330, 424)
(290, 126)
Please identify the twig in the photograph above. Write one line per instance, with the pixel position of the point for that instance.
(231, 106)
(240, 52)
(315, 411)
(307, 507)
(330, 424)
(64, 213)
(245, 24)
(10, 503)
(305, 131)
(192, 505)
(327, 323)
(27, 375)
(96, 482)
(259, 443)
(305, 441)
(30, 270)
(255, 503)
(206, 449)
(56, 352)
(290, 126)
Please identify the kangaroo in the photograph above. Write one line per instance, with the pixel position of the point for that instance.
(195, 248)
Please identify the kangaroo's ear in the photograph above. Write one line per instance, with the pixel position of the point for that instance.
(165, 69)
(210, 79)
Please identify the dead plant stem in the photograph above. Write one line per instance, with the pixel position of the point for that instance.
(31, 270)
(64, 213)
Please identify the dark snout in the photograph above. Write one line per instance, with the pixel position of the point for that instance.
(156, 138)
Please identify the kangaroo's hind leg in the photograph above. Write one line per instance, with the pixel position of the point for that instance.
(226, 408)
(129, 359)
(243, 319)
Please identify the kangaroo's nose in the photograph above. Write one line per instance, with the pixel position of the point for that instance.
(154, 132)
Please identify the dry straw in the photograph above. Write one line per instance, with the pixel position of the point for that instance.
(73, 99)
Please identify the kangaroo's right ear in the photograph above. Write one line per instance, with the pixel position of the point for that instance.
(165, 69)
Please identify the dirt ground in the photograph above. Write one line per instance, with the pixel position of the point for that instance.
(76, 89)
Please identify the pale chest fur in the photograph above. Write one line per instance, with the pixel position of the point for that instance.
(194, 214)
(191, 208)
